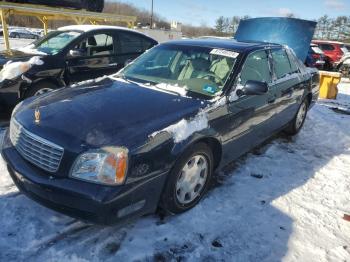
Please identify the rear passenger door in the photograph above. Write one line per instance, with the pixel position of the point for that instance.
(93, 57)
(287, 84)
(131, 45)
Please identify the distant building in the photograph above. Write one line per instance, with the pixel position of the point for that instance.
(176, 26)
(163, 35)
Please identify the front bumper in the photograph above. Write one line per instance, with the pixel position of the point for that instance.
(95, 203)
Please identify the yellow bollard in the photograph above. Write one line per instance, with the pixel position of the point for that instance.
(329, 84)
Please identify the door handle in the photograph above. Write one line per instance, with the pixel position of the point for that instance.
(271, 100)
(290, 93)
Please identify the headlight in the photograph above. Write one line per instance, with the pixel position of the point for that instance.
(107, 166)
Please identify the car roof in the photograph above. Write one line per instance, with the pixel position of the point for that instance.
(88, 28)
(229, 44)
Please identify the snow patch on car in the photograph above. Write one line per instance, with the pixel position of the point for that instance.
(90, 81)
(180, 90)
(185, 128)
(11, 69)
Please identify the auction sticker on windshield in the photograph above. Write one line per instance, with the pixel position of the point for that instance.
(226, 53)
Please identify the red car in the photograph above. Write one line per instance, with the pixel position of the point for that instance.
(333, 50)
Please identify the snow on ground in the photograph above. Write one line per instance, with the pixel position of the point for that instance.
(15, 43)
(283, 202)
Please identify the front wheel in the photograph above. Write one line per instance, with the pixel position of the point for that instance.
(298, 121)
(40, 89)
(189, 180)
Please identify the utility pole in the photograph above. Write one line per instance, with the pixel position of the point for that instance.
(151, 26)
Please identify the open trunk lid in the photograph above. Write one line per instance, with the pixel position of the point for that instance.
(295, 33)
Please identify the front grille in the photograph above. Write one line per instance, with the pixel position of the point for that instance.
(35, 149)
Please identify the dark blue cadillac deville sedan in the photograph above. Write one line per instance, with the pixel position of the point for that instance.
(153, 135)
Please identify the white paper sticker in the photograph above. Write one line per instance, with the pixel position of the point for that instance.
(226, 53)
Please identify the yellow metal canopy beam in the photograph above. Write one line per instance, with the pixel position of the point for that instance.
(5, 31)
(45, 14)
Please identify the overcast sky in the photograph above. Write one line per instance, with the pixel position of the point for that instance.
(198, 12)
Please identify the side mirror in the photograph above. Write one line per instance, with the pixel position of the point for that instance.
(75, 53)
(127, 62)
(252, 88)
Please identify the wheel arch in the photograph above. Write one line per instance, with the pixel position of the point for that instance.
(27, 89)
(212, 142)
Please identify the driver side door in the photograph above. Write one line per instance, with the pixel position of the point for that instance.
(247, 121)
(93, 57)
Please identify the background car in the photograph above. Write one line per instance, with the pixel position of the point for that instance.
(333, 50)
(90, 5)
(315, 57)
(347, 46)
(23, 33)
(66, 56)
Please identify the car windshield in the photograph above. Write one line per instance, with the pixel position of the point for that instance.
(55, 41)
(195, 69)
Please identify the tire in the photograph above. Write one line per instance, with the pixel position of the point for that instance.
(298, 121)
(94, 5)
(175, 198)
(39, 89)
(344, 70)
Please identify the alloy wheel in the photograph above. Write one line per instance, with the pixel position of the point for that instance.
(192, 179)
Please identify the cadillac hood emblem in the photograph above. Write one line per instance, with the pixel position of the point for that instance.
(37, 116)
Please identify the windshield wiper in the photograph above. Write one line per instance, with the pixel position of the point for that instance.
(131, 81)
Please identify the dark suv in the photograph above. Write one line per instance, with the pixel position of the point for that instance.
(70, 54)
(90, 5)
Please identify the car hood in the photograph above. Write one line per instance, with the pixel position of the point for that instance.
(295, 33)
(109, 112)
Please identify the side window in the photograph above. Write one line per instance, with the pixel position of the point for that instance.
(281, 63)
(256, 67)
(147, 44)
(130, 43)
(293, 61)
(96, 45)
(326, 47)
